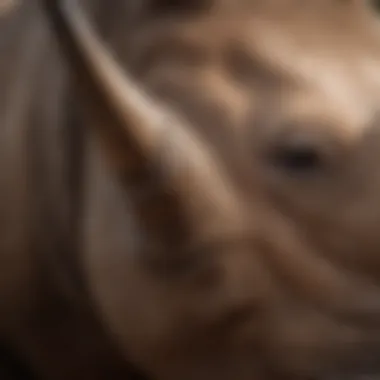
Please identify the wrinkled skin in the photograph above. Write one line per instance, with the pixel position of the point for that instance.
(294, 291)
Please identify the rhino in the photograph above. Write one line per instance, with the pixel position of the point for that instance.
(190, 189)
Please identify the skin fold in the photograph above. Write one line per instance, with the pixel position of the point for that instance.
(190, 189)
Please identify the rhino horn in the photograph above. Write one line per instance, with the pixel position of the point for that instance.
(141, 133)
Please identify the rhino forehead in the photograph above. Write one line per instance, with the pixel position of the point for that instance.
(218, 66)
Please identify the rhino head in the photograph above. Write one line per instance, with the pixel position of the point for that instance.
(243, 136)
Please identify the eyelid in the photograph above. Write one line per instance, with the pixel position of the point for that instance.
(331, 150)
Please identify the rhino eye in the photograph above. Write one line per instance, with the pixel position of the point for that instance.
(298, 156)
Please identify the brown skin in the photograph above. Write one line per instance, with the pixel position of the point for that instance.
(293, 292)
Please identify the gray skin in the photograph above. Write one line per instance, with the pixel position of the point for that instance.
(204, 206)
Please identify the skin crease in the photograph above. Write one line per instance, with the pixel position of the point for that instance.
(272, 296)
(294, 294)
